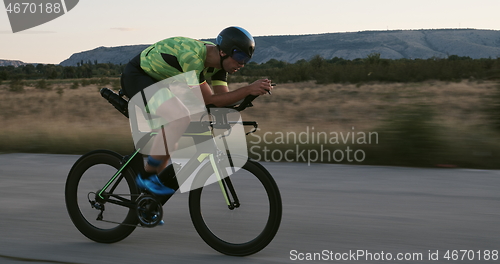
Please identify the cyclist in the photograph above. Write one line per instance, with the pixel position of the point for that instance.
(233, 48)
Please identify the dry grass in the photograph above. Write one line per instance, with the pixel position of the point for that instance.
(64, 120)
(336, 106)
(419, 124)
(73, 121)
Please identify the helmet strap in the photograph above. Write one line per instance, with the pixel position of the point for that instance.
(222, 58)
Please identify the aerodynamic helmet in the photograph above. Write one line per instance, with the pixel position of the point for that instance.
(237, 43)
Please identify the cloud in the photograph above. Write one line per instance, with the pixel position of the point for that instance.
(124, 29)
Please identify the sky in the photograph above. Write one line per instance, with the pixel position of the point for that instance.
(94, 23)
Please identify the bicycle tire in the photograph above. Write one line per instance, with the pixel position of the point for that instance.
(89, 167)
(270, 224)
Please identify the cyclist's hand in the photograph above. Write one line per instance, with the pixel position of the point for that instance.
(260, 87)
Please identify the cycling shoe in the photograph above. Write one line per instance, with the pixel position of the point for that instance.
(153, 185)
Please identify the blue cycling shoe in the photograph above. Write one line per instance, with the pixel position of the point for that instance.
(153, 185)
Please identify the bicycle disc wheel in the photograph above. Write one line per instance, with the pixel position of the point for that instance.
(246, 229)
(87, 176)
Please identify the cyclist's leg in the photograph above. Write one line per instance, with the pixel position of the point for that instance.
(134, 80)
(176, 116)
(170, 119)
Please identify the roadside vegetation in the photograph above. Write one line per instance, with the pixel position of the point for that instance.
(436, 112)
(373, 68)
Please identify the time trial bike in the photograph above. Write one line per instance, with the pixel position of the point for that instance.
(237, 215)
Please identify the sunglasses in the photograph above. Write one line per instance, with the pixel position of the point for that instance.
(240, 56)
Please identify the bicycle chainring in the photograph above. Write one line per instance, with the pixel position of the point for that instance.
(149, 211)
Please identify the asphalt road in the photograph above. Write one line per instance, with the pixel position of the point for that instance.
(355, 213)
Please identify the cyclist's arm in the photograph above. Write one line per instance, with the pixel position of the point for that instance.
(221, 96)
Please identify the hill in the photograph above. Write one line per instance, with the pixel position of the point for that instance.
(399, 44)
(395, 44)
(115, 55)
(15, 63)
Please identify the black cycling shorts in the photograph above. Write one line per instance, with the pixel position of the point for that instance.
(134, 79)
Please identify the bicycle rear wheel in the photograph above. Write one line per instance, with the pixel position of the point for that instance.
(87, 176)
(243, 230)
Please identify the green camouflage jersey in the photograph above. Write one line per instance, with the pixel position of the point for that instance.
(177, 55)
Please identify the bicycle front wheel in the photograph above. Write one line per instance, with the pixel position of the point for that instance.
(251, 225)
(105, 220)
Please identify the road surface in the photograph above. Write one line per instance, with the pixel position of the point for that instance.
(332, 213)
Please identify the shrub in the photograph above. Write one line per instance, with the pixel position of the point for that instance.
(60, 91)
(42, 84)
(493, 109)
(74, 85)
(116, 84)
(411, 137)
(103, 81)
(16, 85)
(85, 82)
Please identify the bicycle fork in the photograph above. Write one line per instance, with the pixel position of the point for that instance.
(225, 183)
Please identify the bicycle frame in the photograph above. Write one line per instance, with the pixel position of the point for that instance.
(200, 131)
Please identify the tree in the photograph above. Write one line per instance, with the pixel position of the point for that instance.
(373, 58)
(317, 62)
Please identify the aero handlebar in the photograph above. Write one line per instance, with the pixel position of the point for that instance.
(247, 102)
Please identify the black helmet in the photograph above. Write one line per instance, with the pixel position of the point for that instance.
(233, 40)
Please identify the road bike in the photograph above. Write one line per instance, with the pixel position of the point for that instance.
(237, 215)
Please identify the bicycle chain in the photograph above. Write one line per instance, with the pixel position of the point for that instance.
(112, 222)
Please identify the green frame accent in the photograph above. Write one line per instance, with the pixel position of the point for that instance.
(116, 174)
(208, 133)
(203, 156)
(221, 184)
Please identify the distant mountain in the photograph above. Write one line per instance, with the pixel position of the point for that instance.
(14, 63)
(395, 44)
(410, 44)
(115, 55)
